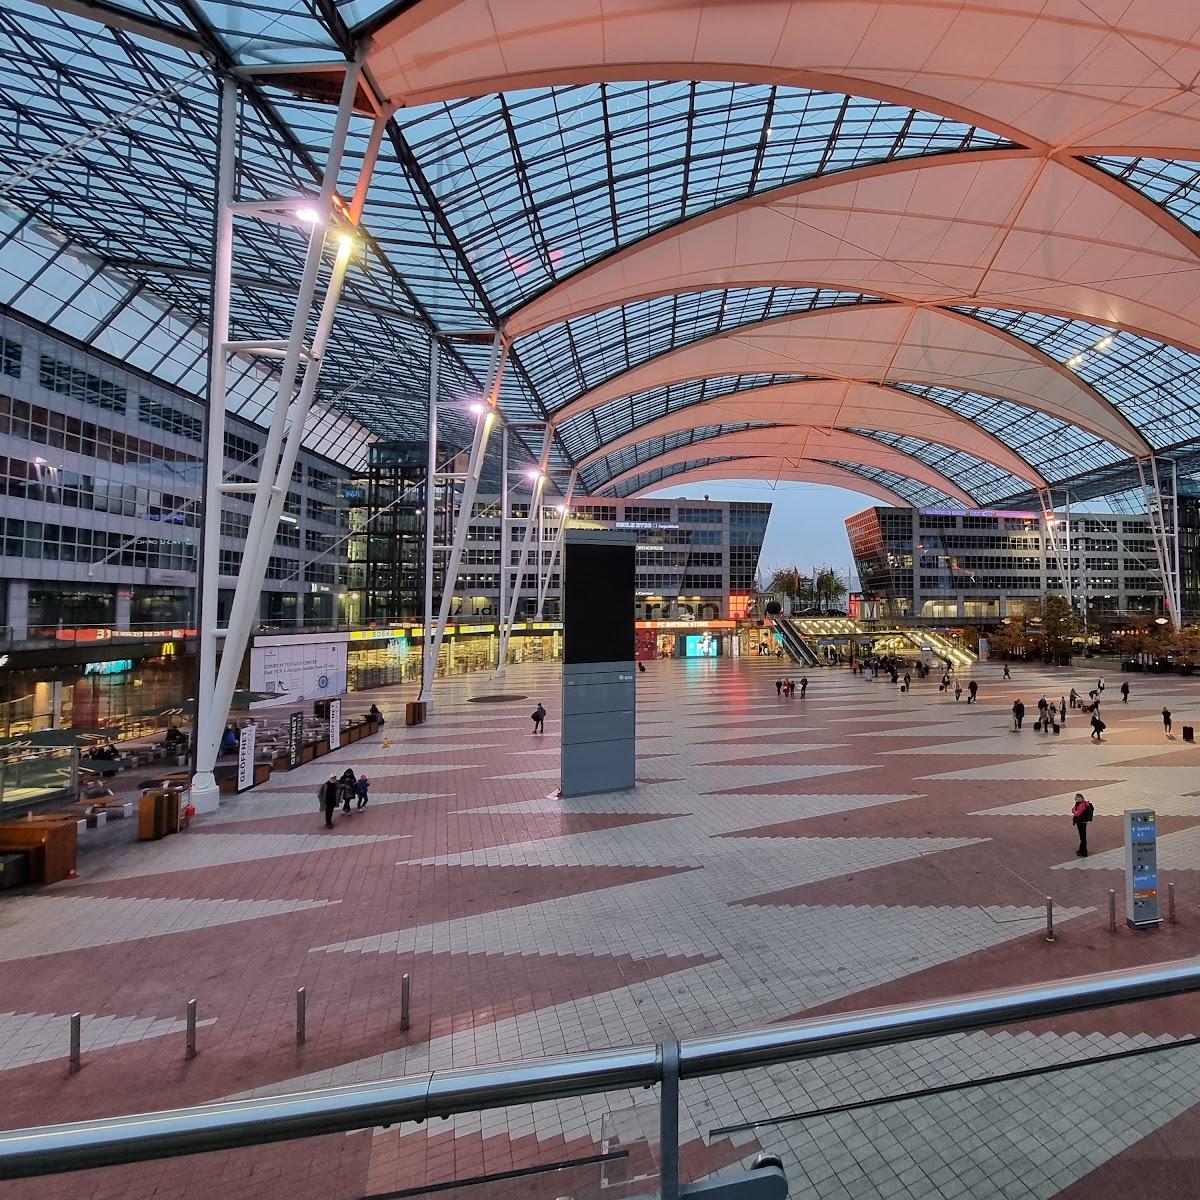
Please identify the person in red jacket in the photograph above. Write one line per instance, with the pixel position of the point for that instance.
(1081, 816)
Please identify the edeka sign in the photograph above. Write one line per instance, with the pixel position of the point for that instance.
(295, 738)
(335, 724)
(246, 743)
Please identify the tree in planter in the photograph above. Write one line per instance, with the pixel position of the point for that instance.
(831, 587)
(793, 583)
(1059, 626)
(1011, 636)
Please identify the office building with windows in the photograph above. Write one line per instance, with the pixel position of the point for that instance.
(984, 565)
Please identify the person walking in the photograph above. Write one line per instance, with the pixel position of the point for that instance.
(1074, 698)
(1100, 684)
(779, 687)
(1125, 692)
(329, 799)
(1081, 816)
(539, 718)
(346, 788)
(362, 789)
(1166, 720)
(803, 685)
(1098, 727)
(1018, 715)
(1007, 673)
(973, 692)
(957, 691)
(1041, 707)
(1062, 708)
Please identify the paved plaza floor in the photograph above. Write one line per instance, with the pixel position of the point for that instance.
(778, 858)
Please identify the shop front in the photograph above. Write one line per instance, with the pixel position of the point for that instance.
(685, 639)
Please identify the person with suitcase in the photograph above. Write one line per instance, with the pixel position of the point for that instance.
(1081, 816)
(539, 718)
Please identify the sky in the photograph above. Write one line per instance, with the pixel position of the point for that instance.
(807, 522)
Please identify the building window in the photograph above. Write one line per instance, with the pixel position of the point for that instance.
(67, 380)
(240, 449)
(10, 358)
(163, 416)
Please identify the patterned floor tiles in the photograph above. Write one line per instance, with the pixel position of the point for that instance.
(778, 858)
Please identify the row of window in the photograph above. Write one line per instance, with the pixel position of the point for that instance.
(37, 424)
(24, 480)
(66, 543)
(66, 380)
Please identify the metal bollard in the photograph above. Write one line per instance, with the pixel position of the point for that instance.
(75, 1020)
(301, 1013)
(1049, 919)
(1112, 911)
(405, 996)
(191, 1030)
(1171, 904)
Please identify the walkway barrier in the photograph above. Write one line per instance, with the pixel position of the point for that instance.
(442, 1093)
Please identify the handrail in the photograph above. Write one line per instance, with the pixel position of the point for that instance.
(86, 1144)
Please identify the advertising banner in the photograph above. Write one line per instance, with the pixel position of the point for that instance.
(301, 670)
(984, 649)
(245, 776)
(295, 738)
(335, 724)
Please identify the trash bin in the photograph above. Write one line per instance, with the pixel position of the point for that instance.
(158, 814)
(414, 712)
(1189, 733)
(14, 871)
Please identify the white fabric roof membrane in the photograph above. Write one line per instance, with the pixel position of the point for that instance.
(874, 343)
(1048, 73)
(776, 471)
(1032, 228)
(825, 405)
(803, 443)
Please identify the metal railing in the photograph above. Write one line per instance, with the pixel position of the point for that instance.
(110, 1141)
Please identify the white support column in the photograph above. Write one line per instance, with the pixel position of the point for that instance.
(535, 501)
(479, 445)
(289, 414)
(556, 549)
(428, 661)
(1055, 543)
(503, 598)
(1165, 541)
(204, 793)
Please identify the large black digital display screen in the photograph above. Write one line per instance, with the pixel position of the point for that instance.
(598, 601)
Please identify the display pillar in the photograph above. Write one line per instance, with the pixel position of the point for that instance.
(599, 732)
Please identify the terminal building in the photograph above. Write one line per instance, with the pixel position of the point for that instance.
(983, 565)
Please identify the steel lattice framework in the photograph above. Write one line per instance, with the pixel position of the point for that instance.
(639, 236)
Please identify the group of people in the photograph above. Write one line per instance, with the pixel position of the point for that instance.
(342, 790)
(787, 687)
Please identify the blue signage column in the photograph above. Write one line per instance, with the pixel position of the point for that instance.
(1141, 868)
(599, 735)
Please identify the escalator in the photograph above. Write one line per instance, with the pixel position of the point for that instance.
(797, 648)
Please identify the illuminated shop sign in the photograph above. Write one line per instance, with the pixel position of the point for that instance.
(115, 667)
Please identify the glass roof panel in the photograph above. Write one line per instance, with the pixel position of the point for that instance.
(1054, 448)
(658, 476)
(1152, 384)
(589, 431)
(1172, 183)
(565, 360)
(596, 474)
(541, 182)
(917, 494)
(980, 479)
